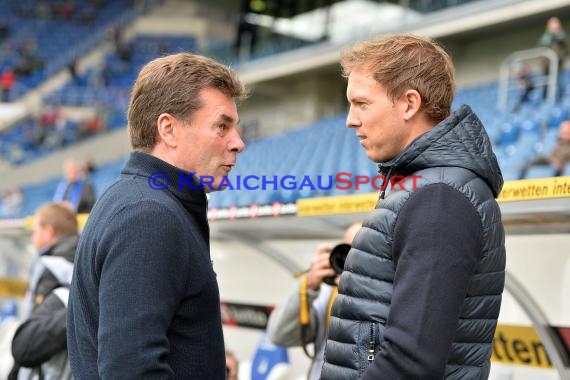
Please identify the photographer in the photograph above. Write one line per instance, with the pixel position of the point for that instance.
(295, 323)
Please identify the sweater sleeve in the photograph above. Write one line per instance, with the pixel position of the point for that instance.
(437, 246)
(283, 327)
(42, 335)
(143, 267)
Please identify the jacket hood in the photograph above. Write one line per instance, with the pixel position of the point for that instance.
(65, 247)
(459, 141)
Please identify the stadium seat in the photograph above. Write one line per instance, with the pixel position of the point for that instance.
(540, 171)
(510, 134)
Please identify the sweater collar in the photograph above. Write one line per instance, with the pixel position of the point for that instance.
(161, 173)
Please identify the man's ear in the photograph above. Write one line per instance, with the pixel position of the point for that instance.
(166, 129)
(50, 232)
(413, 103)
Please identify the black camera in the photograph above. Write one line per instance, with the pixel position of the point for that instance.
(337, 259)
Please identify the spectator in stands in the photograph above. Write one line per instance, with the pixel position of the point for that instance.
(141, 247)
(554, 37)
(72, 69)
(232, 366)
(4, 29)
(60, 133)
(285, 327)
(122, 47)
(47, 123)
(90, 166)
(29, 59)
(7, 81)
(64, 10)
(89, 127)
(426, 271)
(558, 158)
(88, 15)
(12, 200)
(39, 345)
(75, 188)
(526, 84)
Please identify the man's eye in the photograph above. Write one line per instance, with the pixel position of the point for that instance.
(222, 127)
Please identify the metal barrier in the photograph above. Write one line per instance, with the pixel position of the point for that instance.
(524, 56)
(552, 344)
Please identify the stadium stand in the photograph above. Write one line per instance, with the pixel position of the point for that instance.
(37, 30)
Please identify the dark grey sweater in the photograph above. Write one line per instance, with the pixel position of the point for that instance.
(144, 301)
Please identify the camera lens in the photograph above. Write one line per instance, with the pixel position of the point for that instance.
(337, 259)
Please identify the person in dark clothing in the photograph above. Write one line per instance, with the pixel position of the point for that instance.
(526, 84)
(558, 158)
(144, 300)
(75, 188)
(39, 344)
(421, 289)
(7, 81)
(554, 37)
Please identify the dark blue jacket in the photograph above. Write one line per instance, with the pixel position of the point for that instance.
(144, 301)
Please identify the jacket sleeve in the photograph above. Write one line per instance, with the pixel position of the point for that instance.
(144, 275)
(283, 327)
(437, 246)
(42, 335)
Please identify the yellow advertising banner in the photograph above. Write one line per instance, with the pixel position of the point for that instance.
(344, 204)
(524, 190)
(530, 189)
(11, 287)
(519, 345)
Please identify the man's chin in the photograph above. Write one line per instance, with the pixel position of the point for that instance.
(214, 188)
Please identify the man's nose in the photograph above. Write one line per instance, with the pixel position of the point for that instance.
(237, 145)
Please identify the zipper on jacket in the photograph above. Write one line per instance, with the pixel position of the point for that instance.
(371, 344)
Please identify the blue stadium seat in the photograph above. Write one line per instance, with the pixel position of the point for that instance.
(509, 134)
(540, 171)
(558, 115)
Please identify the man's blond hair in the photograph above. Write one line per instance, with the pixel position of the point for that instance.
(60, 216)
(403, 62)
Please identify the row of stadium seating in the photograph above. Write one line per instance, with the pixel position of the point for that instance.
(53, 41)
(106, 87)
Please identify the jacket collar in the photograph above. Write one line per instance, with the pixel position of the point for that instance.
(459, 141)
(179, 182)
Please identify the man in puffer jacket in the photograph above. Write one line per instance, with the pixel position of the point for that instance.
(421, 289)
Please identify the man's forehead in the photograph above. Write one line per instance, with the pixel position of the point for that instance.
(361, 83)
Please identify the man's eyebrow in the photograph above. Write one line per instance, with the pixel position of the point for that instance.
(228, 118)
(357, 98)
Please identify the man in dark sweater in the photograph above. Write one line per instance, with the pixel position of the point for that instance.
(144, 301)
